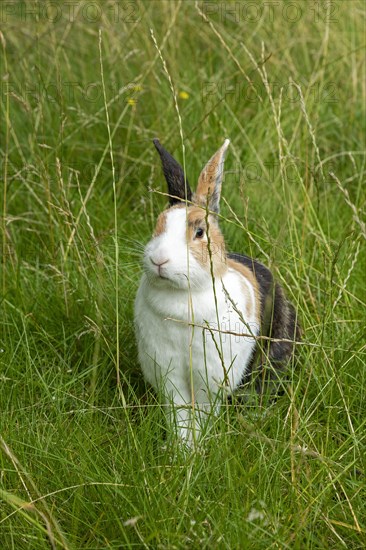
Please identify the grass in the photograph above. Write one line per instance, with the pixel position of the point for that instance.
(84, 458)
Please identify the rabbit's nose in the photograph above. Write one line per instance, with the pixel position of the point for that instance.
(159, 263)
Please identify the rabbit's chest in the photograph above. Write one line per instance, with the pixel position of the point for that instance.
(202, 338)
(221, 347)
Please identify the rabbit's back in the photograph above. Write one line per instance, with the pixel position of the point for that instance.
(278, 322)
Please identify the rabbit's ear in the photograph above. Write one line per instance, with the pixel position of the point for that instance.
(209, 183)
(178, 185)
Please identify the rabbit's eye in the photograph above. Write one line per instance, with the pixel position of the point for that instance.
(199, 233)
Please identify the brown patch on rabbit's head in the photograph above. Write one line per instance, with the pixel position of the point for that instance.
(160, 224)
(206, 241)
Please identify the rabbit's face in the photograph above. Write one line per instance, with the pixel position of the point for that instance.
(187, 247)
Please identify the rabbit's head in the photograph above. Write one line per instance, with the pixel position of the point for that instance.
(187, 247)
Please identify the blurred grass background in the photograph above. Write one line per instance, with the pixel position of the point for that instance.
(84, 458)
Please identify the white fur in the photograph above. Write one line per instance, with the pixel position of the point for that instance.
(181, 361)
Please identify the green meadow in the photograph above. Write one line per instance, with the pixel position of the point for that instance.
(85, 459)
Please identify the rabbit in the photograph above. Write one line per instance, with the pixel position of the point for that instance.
(201, 312)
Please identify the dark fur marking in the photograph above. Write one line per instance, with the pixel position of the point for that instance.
(174, 176)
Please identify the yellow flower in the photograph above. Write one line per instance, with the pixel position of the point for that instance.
(131, 101)
(137, 87)
(183, 95)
